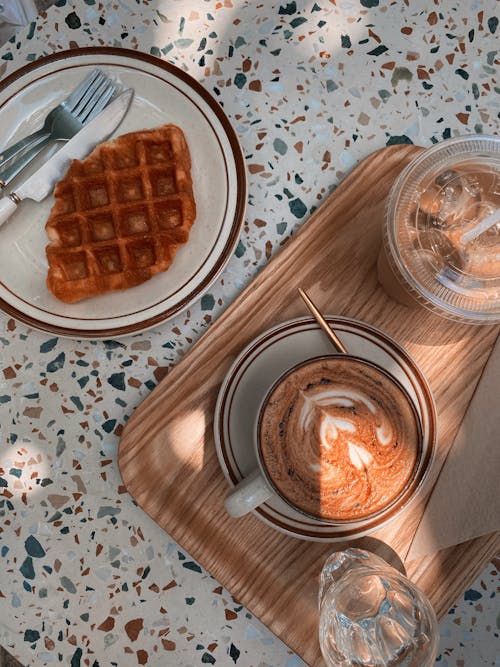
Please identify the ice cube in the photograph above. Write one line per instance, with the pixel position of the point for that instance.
(437, 242)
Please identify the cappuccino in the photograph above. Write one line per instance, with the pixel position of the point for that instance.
(339, 438)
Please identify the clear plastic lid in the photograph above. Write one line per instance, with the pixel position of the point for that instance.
(443, 227)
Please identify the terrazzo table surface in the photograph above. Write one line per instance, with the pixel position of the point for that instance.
(311, 88)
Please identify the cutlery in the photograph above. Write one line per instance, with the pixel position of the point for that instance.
(42, 182)
(73, 104)
(337, 344)
(62, 123)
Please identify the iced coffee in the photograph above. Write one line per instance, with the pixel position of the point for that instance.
(441, 246)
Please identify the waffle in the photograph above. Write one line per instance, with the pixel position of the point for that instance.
(120, 215)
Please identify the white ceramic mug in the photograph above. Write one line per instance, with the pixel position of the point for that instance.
(257, 487)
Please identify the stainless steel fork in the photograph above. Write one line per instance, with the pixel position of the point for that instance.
(63, 122)
(68, 104)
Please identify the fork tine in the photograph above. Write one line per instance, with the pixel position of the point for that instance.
(72, 100)
(98, 94)
(89, 94)
(91, 101)
(99, 104)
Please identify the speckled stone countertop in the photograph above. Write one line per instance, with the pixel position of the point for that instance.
(311, 88)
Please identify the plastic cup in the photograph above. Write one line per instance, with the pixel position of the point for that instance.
(441, 239)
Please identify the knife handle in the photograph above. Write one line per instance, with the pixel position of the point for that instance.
(7, 207)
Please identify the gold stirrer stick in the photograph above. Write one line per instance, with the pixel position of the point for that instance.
(323, 323)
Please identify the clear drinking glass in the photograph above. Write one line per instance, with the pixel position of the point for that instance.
(373, 616)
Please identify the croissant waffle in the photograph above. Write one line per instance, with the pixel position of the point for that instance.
(120, 215)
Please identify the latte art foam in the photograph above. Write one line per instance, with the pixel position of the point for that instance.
(339, 439)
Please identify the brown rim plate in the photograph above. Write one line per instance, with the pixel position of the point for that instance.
(163, 94)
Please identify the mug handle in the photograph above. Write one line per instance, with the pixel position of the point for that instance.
(248, 494)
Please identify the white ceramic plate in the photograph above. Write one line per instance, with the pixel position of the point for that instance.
(256, 369)
(163, 94)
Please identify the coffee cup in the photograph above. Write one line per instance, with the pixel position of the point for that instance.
(441, 241)
(338, 439)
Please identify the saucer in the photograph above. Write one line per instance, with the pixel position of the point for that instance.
(261, 363)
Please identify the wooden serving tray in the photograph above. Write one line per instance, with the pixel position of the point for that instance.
(167, 456)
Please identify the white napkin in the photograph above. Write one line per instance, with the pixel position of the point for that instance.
(17, 12)
(465, 501)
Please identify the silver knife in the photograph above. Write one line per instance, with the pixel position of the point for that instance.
(43, 181)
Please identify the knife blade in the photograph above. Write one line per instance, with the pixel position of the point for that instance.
(43, 181)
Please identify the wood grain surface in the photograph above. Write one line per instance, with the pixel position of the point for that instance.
(6, 660)
(167, 456)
